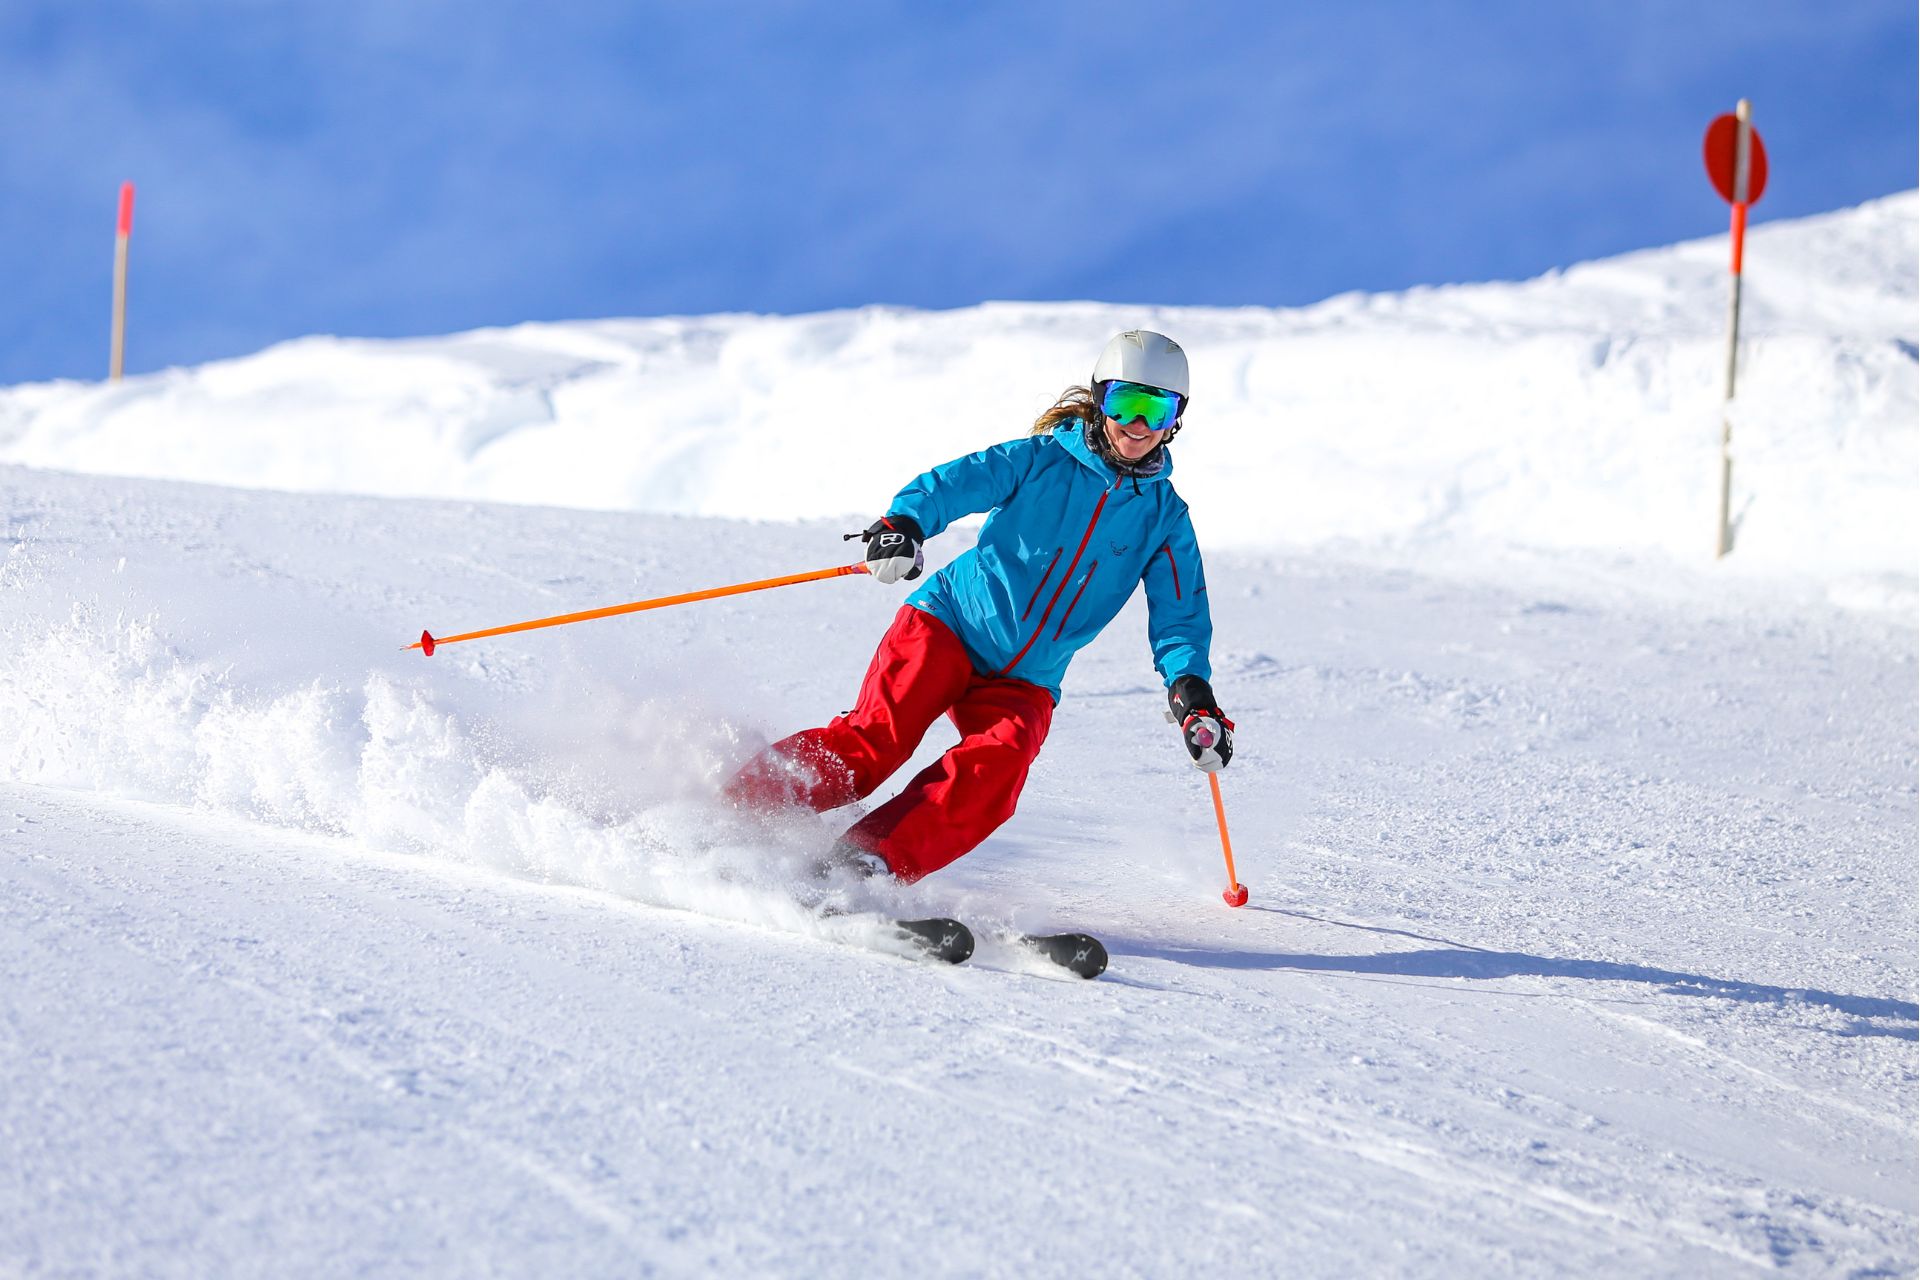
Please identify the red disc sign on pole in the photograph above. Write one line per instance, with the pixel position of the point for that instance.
(1722, 151)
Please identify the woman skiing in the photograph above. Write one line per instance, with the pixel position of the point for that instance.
(1081, 511)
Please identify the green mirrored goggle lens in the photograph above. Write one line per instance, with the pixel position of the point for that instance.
(1125, 401)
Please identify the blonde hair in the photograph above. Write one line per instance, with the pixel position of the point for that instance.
(1074, 403)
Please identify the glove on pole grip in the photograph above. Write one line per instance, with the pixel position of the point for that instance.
(1204, 728)
(893, 548)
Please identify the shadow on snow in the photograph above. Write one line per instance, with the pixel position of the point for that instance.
(1459, 960)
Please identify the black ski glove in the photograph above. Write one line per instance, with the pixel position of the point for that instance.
(1207, 731)
(893, 548)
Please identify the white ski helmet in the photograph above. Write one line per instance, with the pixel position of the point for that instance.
(1143, 356)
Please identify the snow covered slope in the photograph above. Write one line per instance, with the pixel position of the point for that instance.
(1579, 410)
(1583, 925)
(1582, 937)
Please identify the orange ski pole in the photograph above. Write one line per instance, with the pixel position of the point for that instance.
(1236, 894)
(428, 642)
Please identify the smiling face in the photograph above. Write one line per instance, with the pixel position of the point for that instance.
(1133, 441)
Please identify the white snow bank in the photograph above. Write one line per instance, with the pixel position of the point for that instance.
(1578, 410)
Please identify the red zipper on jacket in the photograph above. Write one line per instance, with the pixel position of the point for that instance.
(1065, 578)
(1051, 566)
(1172, 568)
(1061, 629)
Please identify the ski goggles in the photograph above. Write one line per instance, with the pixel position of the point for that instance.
(1156, 406)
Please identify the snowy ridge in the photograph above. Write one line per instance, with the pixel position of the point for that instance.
(1576, 411)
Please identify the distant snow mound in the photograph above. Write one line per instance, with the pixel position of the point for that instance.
(1579, 410)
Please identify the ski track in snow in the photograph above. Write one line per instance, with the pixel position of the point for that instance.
(1582, 937)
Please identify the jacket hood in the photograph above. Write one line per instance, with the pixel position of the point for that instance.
(1073, 435)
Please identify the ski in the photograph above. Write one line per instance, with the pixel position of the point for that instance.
(949, 941)
(935, 938)
(1078, 953)
(938, 938)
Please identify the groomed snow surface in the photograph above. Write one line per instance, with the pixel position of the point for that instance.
(1582, 937)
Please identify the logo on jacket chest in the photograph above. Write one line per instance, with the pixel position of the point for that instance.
(1118, 548)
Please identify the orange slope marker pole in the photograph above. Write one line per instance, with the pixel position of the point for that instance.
(428, 642)
(122, 234)
(1236, 894)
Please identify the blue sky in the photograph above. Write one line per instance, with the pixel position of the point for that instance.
(391, 167)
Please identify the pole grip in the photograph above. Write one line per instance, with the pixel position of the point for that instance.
(126, 209)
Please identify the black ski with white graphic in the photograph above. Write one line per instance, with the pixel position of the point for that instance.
(1078, 953)
(939, 938)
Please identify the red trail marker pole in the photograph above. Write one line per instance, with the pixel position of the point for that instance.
(1737, 166)
(115, 359)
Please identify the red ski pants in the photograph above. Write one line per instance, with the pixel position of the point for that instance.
(919, 672)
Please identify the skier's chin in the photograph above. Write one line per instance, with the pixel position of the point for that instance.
(1126, 446)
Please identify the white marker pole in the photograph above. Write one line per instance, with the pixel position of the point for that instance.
(1742, 169)
(125, 232)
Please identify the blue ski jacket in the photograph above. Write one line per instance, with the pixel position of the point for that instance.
(1066, 542)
